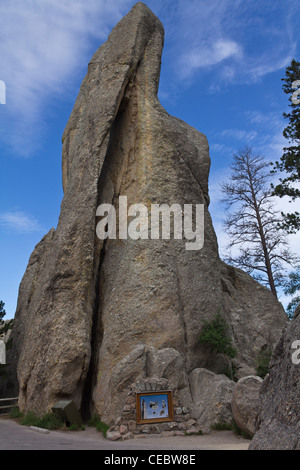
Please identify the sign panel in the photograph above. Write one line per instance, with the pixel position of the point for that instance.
(154, 407)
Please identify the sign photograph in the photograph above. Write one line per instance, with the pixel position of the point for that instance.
(154, 407)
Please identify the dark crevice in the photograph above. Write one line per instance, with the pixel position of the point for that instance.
(96, 340)
(97, 326)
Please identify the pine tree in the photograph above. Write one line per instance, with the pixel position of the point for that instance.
(2, 311)
(261, 248)
(290, 160)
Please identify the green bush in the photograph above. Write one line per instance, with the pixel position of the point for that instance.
(222, 427)
(215, 334)
(96, 422)
(239, 432)
(262, 362)
(76, 427)
(15, 412)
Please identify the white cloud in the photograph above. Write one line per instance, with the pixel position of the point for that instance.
(19, 222)
(208, 55)
(43, 45)
(243, 40)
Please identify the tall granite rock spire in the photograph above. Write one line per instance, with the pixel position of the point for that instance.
(94, 316)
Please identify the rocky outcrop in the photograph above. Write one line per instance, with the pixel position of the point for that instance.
(211, 398)
(280, 395)
(94, 315)
(245, 404)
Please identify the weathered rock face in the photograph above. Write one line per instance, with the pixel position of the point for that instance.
(211, 398)
(93, 316)
(280, 395)
(245, 404)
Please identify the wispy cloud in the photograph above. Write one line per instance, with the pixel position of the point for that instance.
(43, 45)
(239, 134)
(19, 222)
(240, 40)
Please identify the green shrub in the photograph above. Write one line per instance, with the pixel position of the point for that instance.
(239, 432)
(215, 334)
(15, 412)
(262, 362)
(222, 427)
(96, 422)
(76, 427)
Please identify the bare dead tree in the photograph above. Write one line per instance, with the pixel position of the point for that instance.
(252, 221)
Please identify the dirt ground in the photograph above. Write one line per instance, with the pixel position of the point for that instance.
(14, 436)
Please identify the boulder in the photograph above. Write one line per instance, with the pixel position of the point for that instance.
(245, 404)
(212, 396)
(280, 395)
(169, 364)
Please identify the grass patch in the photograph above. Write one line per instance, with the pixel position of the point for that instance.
(15, 412)
(239, 432)
(76, 427)
(222, 427)
(230, 427)
(96, 422)
(48, 421)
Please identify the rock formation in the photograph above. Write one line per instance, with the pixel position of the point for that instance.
(280, 395)
(245, 404)
(95, 316)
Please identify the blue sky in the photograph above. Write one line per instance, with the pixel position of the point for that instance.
(222, 66)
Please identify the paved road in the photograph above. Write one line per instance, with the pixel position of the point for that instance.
(13, 436)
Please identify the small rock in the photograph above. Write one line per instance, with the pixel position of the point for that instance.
(130, 400)
(131, 426)
(155, 430)
(123, 429)
(127, 436)
(192, 430)
(113, 435)
(179, 433)
(182, 426)
(146, 429)
(190, 423)
(179, 418)
(168, 433)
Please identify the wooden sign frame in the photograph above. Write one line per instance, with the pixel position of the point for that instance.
(154, 407)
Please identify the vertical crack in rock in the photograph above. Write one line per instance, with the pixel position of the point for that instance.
(96, 338)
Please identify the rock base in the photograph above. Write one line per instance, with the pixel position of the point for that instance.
(126, 426)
